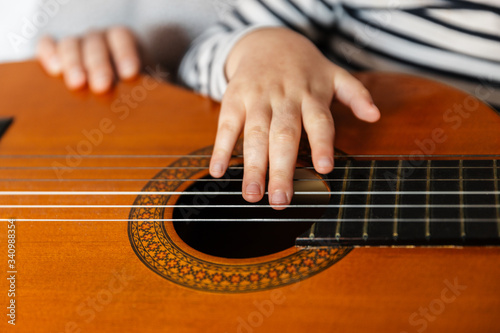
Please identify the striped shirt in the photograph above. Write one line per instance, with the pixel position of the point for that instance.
(452, 41)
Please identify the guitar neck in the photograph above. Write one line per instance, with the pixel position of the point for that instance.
(422, 202)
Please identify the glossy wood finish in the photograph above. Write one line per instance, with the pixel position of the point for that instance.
(62, 266)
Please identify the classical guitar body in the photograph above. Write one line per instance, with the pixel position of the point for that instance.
(92, 185)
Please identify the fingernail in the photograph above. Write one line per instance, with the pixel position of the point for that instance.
(128, 69)
(375, 109)
(325, 162)
(216, 168)
(54, 65)
(279, 198)
(75, 77)
(253, 188)
(100, 83)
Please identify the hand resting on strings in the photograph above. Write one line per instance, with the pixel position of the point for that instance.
(278, 81)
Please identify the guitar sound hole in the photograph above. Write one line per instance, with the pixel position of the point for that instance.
(243, 239)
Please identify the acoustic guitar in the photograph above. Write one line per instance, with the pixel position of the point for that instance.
(110, 222)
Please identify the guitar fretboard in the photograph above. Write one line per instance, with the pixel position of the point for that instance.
(430, 202)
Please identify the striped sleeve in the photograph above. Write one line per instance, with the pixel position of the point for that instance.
(453, 41)
(432, 41)
(202, 68)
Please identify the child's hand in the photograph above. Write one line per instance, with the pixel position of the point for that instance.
(91, 58)
(279, 80)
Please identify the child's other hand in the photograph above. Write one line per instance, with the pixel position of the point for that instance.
(278, 80)
(91, 58)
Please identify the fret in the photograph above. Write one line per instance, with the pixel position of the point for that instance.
(311, 232)
(327, 229)
(461, 187)
(472, 170)
(396, 202)
(427, 202)
(497, 200)
(356, 193)
(342, 199)
(414, 178)
(382, 206)
(368, 197)
(310, 182)
(450, 230)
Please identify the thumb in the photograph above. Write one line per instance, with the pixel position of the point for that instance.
(352, 93)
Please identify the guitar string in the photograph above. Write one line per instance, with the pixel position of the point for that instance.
(239, 193)
(208, 193)
(241, 156)
(380, 220)
(260, 206)
(222, 180)
(207, 168)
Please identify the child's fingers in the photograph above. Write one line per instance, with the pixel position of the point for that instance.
(97, 62)
(69, 52)
(353, 94)
(231, 119)
(123, 51)
(319, 126)
(47, 54)
(255, 148)
(284, 140)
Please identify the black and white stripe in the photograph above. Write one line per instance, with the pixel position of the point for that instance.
(454, 41)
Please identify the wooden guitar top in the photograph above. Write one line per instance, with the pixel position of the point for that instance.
(96, 276)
